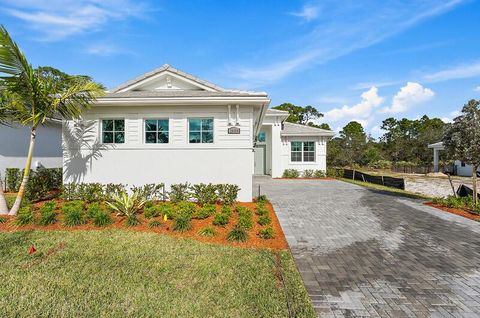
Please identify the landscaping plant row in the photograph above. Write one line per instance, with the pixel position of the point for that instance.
(465, 203)
(308, 173)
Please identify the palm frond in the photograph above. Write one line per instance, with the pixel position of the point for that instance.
(77, 98)
(12, 60)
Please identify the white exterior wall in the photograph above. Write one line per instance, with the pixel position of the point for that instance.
(320, 154)
(229, 159)
(272, 125)
(14, 142)
(465, 171)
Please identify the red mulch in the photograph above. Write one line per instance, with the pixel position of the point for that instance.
(461, 212)
(254, 241)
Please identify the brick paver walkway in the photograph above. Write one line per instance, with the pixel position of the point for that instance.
(362, 253)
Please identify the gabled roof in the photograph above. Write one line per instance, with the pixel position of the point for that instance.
(291, 129)
(183, 93)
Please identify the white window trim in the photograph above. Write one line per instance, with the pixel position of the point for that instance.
(188, 131)
(144, 131)
(303, 162)
(100, 129)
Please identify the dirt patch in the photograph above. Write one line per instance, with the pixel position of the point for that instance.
(254, 241)
(460, 212)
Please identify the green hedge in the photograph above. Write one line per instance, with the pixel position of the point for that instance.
(40, 184)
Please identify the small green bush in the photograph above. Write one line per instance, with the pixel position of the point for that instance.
(179, 192)
(308, 173)
(25, 216)
(185, 208)
(207, 231)
(245, 217)
(3, 219)
(261, 210)
(182, 223)
(167, 209)
(206, 211)
(291, 174)
(264, 220)
(132, 220)
(47, 213)
(14, 178)
(266, 233)
(149, 204)
(220, 219)
(154, 223)
(73, 213)
(319, 174)
(151, 191)
(237, 234)
(227, 210)
(334, 172)
(204, 193)
(151, 212)
(261, 199)
(101, 218)
(93, 209)
(228, 193)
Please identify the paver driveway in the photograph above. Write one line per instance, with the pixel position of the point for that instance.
(366, 253)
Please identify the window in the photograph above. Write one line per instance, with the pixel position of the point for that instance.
(462, 164)
(303, 151)
(156, 131)
(261, 137)
(113, 131)
(200, 130)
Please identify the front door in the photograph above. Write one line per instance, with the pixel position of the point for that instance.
(259, 160)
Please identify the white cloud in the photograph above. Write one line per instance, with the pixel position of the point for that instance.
(308, 12)
(477, 89)
(409, 95)
(353, 27)
(456, 72)
(56, 19)
(361, 111)
(376, 131)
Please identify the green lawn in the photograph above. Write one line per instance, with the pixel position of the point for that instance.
(125, 273)
(382, 188)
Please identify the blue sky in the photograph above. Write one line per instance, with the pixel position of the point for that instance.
(353, 60)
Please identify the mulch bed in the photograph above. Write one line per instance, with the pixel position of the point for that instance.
(461, 212)
(254, 241)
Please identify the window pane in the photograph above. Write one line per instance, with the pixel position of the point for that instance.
(309, 156)
(296, 156)
(150, 125)
(194, 137)
(162, 138)
(163, 125)
(308, 146)
(107, 125)
(207, 124)
(194, 124)
(119, 125)
(107, 137)
(151, 137)
(207, 137)
(296, 146)
(261, 136)
(119, 137)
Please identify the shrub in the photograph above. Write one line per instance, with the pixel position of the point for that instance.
(132, 220)
(182, 223)
(220, 219)
(73, 213)
(266, 233)
(101, 218)
(261, 210)
(93, 209)
(264, 220)
(381, 164)
(126, 205)
(206, 211)
(149, 204)
(308, 173)
(47, 213)
(167, 209)
(237, 234)
(91, 192)
(154, 223)
(227, 210)
(25, 216)
(150, 191)
(204, 193)
(13, 179)
(207, 231)
(186, 209)
(319, 174)
(179, 192)
(3, 219)
(227, 193)
(245, 217)
(291, 173)
(113, 190)
(151, 212)
(262, 199)
(334, 173)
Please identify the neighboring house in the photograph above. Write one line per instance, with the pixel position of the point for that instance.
(14, 143)
(169, 126)
(460, 168)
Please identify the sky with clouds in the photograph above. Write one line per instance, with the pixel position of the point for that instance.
(353, 60)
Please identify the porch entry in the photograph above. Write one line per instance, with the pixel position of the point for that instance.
(260, 160)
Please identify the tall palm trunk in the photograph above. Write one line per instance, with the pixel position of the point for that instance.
(474, 181)
(3, 203)
(26, 173)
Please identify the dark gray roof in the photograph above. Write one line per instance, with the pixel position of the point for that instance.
(182, 93)
(290, 129)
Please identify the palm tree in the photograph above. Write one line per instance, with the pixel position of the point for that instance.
(32, 96)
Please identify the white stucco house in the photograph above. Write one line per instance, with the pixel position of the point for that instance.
(14, 143)
(459, 168)
(169, 126)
